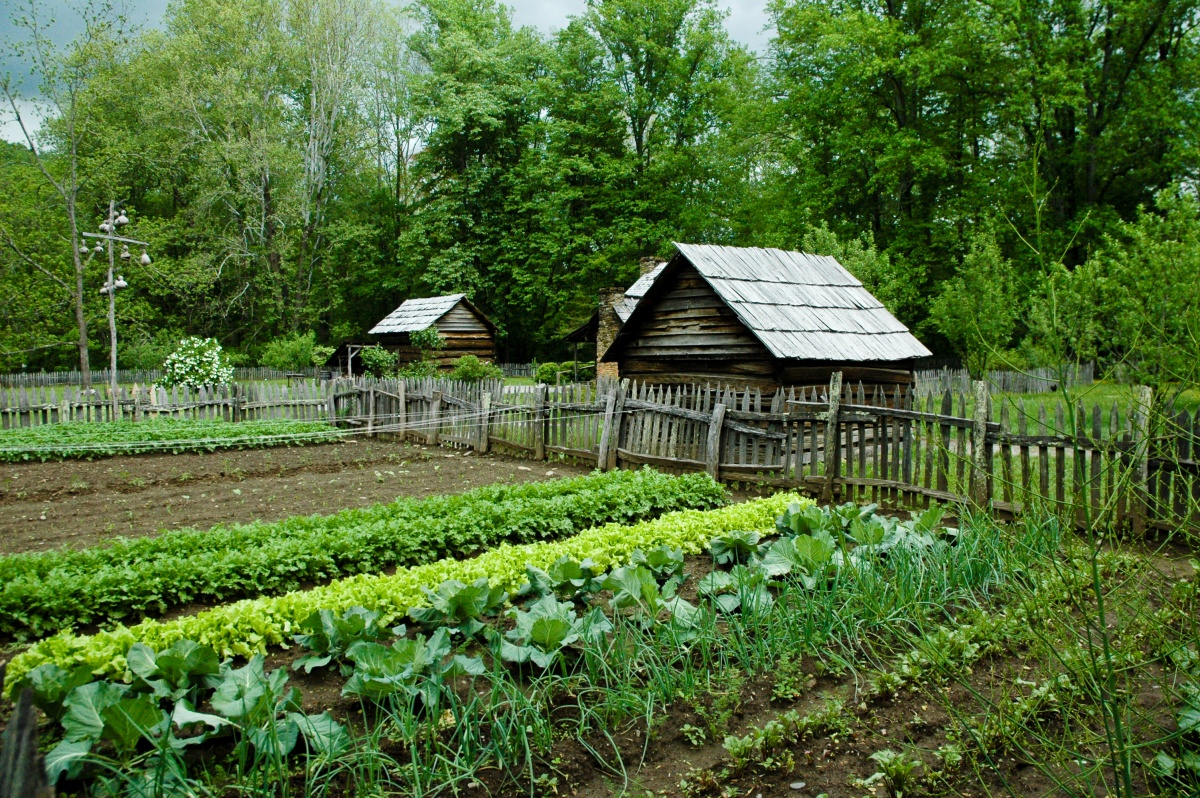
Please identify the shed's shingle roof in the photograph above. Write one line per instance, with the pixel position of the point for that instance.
(416, 314)
(804, 307)
(636, 291)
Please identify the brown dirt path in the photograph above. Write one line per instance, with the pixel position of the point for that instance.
(83, 503)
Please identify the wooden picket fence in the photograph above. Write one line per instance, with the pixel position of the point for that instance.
(1132, 466)
(30, 407)
(38, 379)
(934, 382)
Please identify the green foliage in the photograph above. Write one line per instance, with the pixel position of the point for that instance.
(461, 152)
(409, 667)
(547, 373)
(897, 769)
(978, 309)
(565, 578)
(458, 607)
(469, 368)
(51, 685)
(196, 363)
(88, 440)
(241, 628)
(790, 727)
(174, 673)
(377, 361)
(429, 341)
(736, 547)
(42, 593)
(321, 354)
(328, 636)
(543, 633)
(291, 352)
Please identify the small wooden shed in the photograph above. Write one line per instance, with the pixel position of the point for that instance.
(762, 318)
(463, 326)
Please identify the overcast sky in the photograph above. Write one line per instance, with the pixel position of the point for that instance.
(746, 22)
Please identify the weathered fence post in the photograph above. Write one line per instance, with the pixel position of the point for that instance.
(331, 403)
(606, 432)
(1141, 459)
(485, 418)
(712, 451)
(435, 421)
(371, 410)
(401, 409)
(539, 423)
(137, 403)
(22, 769)
(979, 445)
(833, 437)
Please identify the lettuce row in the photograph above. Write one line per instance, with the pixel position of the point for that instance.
(49, 592)
(250, 626)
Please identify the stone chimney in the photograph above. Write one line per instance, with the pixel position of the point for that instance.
(647, 265)
(607, 329)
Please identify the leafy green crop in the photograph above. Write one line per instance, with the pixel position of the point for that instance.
(329, 636)
(738, 546)
(47, 592)
(566, 578)
(250, 626)
(544, 632)
(411, 667)
(459, 607)
(89, 440)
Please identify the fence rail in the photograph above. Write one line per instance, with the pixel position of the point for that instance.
(1134, 465)
(38, 379)
(932, 382)
(517, 369)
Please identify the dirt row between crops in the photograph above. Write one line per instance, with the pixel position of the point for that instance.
(84, 503)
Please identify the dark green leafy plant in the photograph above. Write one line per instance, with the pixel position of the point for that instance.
(174, 673)
(458, 607)
(740, 588)
(410, 667)
(736, 547)
(328, 636)
(91, 440)
(662, 561)
(52, 684)
(806, 557)
(566, 579)
(544, 631)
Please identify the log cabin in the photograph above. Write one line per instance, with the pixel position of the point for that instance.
(465, 329)
(760, 318)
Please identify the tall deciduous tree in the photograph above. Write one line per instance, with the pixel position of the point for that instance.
(69, 91)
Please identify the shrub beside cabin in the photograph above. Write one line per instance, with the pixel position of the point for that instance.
(463, 327)
(753, 317)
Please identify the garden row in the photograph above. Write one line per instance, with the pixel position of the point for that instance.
(90, 440)
(246, 627)
(512, 656)
(44, 593)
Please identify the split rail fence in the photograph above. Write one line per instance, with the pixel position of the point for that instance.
(1134, 465)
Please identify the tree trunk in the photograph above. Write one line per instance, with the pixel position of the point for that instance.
(80, 319)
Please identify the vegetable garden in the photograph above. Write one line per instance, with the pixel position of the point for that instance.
(624, 633)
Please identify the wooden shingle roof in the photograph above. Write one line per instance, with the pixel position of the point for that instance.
(800, 306)
(420, 314)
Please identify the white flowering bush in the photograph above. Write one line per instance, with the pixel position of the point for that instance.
(197, 362)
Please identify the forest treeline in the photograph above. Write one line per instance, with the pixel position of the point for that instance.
(1015, 179)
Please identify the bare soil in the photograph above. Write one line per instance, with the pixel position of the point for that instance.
(81, 503)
